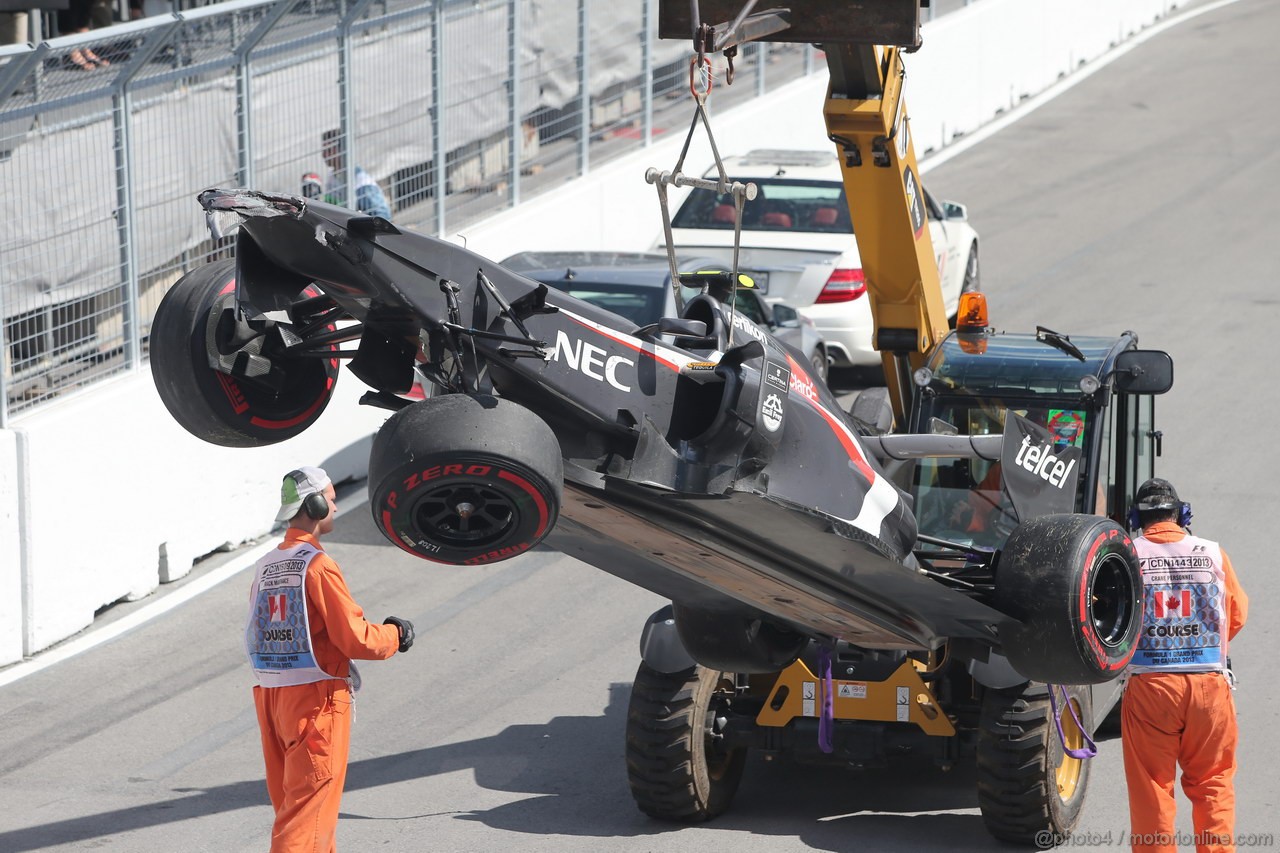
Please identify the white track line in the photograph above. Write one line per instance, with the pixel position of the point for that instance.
(97, 637)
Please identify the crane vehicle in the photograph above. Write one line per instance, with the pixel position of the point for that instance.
(696, 456)
(1095, 393)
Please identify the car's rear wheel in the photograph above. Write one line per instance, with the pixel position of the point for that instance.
(213, 404)
(465, 479)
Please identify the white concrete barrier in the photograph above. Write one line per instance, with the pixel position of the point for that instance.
(114, 483)
(103, 496)
(11, 489)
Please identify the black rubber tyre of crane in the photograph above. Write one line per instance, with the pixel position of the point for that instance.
(1027, 784)
(1073, 584)
(676, 767)
(465, 479)
(216, 406)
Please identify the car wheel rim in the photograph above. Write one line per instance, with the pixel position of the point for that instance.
(467, 515)
(718, 759)
(1067, 776)
(1111, 598)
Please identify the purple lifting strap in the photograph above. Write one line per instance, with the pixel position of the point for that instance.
(1087, 752)
(826, 719)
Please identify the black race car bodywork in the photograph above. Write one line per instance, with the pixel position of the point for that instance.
(698, 459)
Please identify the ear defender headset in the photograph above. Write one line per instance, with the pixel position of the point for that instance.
(316, 506)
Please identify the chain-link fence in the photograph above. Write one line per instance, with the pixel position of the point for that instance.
(350, 99)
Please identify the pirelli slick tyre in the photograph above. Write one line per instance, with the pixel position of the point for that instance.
(214, 405)
(1027, 783)
(465, 480)
(676, 763)
(1073, 584)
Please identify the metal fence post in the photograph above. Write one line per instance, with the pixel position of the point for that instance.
(244, 90)
(126, 224)
(584, 89)
(646, 60)
(346, 121)
(513, 97)
(346, 102)
(437, 111)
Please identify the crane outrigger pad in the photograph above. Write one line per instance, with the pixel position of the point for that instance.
(889, 22)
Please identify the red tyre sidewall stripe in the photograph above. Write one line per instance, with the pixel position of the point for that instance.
(294, 421)
(544, 519)
(533, 493)
(390, 530)
(1086, 626)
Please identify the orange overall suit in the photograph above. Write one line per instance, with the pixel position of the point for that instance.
(1184, 718)
(306, 728)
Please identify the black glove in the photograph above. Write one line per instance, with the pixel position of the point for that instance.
(406, 631)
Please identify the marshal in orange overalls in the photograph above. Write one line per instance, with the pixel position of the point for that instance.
(306, 728)
(1188, 719)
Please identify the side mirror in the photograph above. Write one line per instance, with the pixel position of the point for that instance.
(955, 210)
(1143, 372)
(786, 316)
(674, 326)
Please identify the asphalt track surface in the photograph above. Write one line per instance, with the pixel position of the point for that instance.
(1140, 199)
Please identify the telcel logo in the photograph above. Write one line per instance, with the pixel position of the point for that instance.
(1039, 461)
(590, 360)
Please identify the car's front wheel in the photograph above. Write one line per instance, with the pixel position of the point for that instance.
(1072, 583)
(465, 479)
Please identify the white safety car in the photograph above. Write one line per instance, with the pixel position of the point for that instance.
(797, 243)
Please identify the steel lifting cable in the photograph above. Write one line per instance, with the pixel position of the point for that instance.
(741, 193)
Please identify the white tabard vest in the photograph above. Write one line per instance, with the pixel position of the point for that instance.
(278, 635)
(1184, 606)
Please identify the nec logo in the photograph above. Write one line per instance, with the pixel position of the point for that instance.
(1039, 461)
(590, 360)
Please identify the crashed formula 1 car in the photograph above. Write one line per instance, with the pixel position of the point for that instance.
(695, 457)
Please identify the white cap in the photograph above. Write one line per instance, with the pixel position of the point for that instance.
(298, 485)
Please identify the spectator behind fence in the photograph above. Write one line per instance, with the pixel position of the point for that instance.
(369, 196)
(76, 18)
